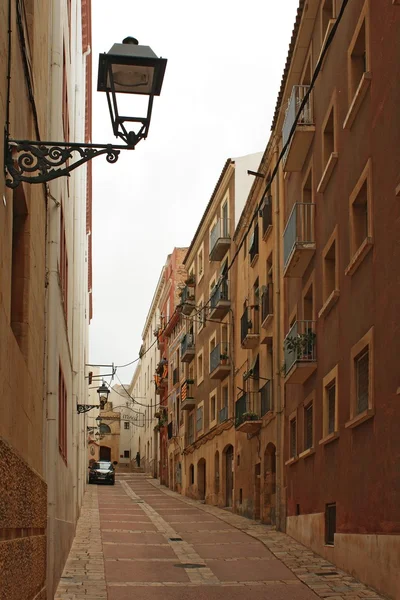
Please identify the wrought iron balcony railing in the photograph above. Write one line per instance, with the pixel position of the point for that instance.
(306, 117)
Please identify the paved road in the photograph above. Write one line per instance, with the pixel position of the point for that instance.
(139, 541)
(175, 551)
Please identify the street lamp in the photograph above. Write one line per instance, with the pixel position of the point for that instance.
(103, 392)
(127, 68)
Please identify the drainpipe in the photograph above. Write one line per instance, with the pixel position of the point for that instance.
(278, 352)
(51, 442)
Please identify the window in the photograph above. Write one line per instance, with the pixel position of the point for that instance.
(293, 437)
(308, 427)
(360, 220)
(213, 405)
(199, 418)
(190, 437)
(200, 263)
(20, 268)
(359, 76)
(362, 385)
(253, 250)
(327, 17)
(361, 364)
(330, 404)
(127, 453)
(328, 137)
(357, 58)
(330, 524)
(330, 275)
(63, 266)
(126, 425)
(224, 220)
(329, 145)
(200, 367)
(62, 415)
(200, 315)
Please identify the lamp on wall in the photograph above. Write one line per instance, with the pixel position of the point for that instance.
(127, 68)
(103, 392)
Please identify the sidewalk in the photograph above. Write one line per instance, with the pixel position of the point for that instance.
(133, 535)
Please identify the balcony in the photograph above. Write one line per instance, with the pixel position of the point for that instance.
(188, 300)
(161, 384)
(267, 303)
(266, 398)
(302, 137)
(220, 364)
(249, 327)
(266, 214)
(300, 352)
(253, 250)
(220, 239)
(188, 349)
(246, 419)
(299, 239)
(187, 400)
(223, 414)
(219, 301)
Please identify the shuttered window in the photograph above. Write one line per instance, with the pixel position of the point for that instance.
(331, 398)
(308, 427)
(362, 380)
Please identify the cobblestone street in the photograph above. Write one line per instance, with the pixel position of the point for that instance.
(138, 534)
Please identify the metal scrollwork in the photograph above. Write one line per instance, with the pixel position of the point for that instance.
(39, 162)
(82, 408)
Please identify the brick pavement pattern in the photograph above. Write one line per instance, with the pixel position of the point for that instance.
(140, 534)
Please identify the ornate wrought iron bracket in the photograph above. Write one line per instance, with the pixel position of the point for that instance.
(39, 162)
(83, 408)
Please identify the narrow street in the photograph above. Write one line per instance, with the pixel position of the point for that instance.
(138, 534)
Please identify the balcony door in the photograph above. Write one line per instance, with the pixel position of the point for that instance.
(224, 220)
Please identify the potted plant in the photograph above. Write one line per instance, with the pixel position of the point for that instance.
(190, 281)
(247, 416)
(301, 345)
(224, 357)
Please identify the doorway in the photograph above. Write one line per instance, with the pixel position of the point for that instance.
(229, 476)
(105, 453)
(269, 509)
(201, 479)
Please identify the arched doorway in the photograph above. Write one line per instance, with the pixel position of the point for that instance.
(269, 507)
(201, 479)
(216, 473)
(228, 475)
(105, 453)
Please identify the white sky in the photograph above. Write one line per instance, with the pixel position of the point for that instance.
(225, 63)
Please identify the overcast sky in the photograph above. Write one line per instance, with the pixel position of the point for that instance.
(225, 63)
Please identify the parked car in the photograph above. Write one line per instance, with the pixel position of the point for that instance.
(103, 470)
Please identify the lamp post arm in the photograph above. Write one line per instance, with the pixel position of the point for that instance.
(39, 162)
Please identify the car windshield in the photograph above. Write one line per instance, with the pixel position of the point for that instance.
(102, 465)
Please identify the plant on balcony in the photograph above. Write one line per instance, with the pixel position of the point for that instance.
(224, 357)
(302, 345)
(246, 416)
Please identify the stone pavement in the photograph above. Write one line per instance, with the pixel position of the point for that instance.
(175, 548)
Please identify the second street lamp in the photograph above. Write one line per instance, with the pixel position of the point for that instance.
(127, 68)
